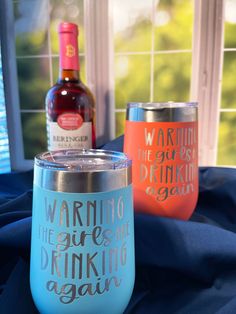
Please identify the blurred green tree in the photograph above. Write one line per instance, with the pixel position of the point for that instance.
(170, 72)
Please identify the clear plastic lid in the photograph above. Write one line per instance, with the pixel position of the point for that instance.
(76, 160)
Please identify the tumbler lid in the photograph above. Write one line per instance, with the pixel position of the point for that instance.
(82, 160)
(162, 111)
(161, 105)
(82, 171)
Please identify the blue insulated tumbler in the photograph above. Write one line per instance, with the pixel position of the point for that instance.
(82, 247)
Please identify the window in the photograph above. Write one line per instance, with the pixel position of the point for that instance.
(153, 52)
(4, 144)
(159, 50)
(227, 127)
(37, 57)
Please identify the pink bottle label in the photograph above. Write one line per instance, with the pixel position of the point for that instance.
(69, 59)
(70, 121)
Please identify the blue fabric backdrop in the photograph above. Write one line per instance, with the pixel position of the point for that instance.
(185, 267)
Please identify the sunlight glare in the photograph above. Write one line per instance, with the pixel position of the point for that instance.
(122, 67)
(230, 11)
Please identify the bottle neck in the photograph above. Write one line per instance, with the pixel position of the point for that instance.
(69, 57)
(68, 76)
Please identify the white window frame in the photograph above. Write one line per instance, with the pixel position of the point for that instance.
(207, 60)
(11, 88)
(207, 64)
(99, 63)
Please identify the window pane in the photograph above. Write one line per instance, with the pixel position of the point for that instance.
(172, 77)
(132, 25)
(71, 11)
(230, 24)
(229, 83)
(4, 143)
(33, 76)
(132, 79)
(227, 139)
(226, 154)
(173, 24)
(120, 123)
(31, 23)
(228, 99)
(34, 133)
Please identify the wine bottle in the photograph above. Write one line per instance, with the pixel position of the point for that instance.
(69, 103)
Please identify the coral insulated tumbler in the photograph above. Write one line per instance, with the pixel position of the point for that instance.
(162, 141)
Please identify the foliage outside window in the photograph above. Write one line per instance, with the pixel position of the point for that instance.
(227, 129)
(152, 59)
